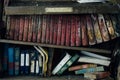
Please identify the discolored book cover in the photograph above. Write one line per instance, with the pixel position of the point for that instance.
(21, 30)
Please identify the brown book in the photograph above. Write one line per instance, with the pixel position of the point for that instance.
(44, 24)
(30, 29)
(8, 28)
(78, 31)
(90, 30)
(96, 28)
(84, 31)
(103, 28)
(110, 26)
(48, 29)
(39, 33)
(21, 30)
(17, 26)
(25, 33)
(78, 67)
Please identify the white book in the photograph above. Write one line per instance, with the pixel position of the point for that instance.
(87, 59)
(95, 55)
(61, 63)
(91, 1)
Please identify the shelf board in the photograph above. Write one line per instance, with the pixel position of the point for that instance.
(57, 46)
(61, 9)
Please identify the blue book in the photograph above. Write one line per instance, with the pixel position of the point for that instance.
(27, 62)
(22, 62)
(11, 61)
(17, 60)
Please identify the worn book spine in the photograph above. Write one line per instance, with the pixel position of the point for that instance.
(96, 28)
(73, 30)
(78, 31)
(39, 35)
(59, 29)
(110, 26)
(103, 28)
(84, 31)
(63, 34)
(8, 28)
(78, 67)
(22, 20)
(30, 29)
(90, 30)
(48, 30)
(25, 33)
(35, 25)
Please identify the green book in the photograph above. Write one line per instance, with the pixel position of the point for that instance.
(68, 64)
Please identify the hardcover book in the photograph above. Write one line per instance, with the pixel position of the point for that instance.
(22, 62)
(22, 20)
(48, 29)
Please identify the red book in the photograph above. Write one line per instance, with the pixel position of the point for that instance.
(59, 30)
(39, 35)
(55, 26)
(84, 31)
(73, 30)
(51, 29)
(44, 24)
(90, 30)
(12, 27)
(17, 25)
(78, 31)
(48, 29)
(25, 33)
(21, 28)
(30, 29)
(63, 32)
(103, 28)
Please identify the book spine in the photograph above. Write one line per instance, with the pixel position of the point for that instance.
(25, 33)
(59, 29)
(89, 70)
(69, 63)
(11, 61)
(48, 29)
(35, 23)
(73, 30)
(30, 29)
(39, 35)
(27, 63)
(78, 31)
(63, 34)
(44, 24)
(90, 31)
(8, 28)
(84, 31)
(110, 27)
(21, 27)
(96, 28)
(22, 62)
(17, 60)
(40, 65)
(78, 67)
(103, 27)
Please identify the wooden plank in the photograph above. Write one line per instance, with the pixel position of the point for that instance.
(56, 46)
(75, 9)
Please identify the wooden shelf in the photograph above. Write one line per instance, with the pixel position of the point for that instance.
(75, 8)
(56, 46)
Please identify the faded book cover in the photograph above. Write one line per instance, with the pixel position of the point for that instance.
(22, 20)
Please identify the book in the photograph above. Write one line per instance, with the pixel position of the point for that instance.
(73, 31)
(90, 30)
(22, 62)
(59, 29)
(11, 61)
(103, 28)
(27, 62)
(91, 1)
(17, 60)
(22, 20)
(110, 26)
(90, 54)
(96, 28)
(68, 64)
(8, 28)
(40, 65)
(89, 70)
(88, 59)
(61, 63)
(78, 31)
(25, 31)
(78, 67)
(84, 31)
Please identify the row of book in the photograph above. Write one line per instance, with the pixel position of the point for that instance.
(19, 61)
(89, 65)
(68, 30)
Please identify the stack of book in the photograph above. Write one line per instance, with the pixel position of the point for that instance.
(18, 61)
(89, 65)
(67, 30)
